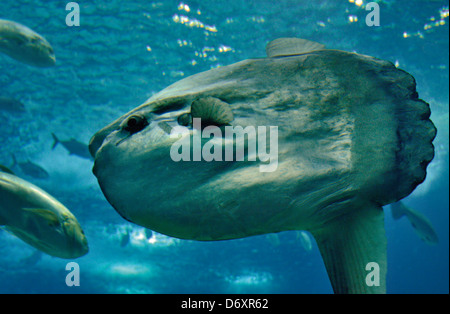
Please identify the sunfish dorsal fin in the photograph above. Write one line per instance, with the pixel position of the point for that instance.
(291, 46)
(354, 250)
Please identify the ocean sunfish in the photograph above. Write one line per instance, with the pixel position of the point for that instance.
(38, 219)
(24, 45)
(352, 136)
(73, 147)
(421, 224)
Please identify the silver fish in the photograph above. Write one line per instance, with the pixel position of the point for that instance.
(25, 45)
(421, 224)
(38, 219)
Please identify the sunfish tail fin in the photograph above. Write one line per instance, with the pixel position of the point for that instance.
(353, 248)
(291, 46)
(398, 210)
(55, 141)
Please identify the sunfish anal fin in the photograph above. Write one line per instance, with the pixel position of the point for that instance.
(291, 46)
(350, 246)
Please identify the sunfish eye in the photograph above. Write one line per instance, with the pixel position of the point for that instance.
(135, 124)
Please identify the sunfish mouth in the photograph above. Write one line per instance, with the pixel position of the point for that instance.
(352, 136)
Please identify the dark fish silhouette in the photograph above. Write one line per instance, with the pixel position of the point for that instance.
(11, 105)
(30, 169)
(148, 234)
(125, 239)
(73, 147)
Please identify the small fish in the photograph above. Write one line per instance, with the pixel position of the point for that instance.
(148, 233)
(422, 226)
(24, 45)
(125, 239)
(73, 147)
(11, 105)
(38, 219)
(30, 169)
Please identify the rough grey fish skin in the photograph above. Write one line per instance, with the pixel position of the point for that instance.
(352, 136)
(340, 116)
(25, 45)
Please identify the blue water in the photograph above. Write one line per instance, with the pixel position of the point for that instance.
(125, 51)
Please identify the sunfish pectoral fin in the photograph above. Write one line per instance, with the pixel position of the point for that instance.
(50, 217)
(353, 248)
(212, 110)
(291, 46)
